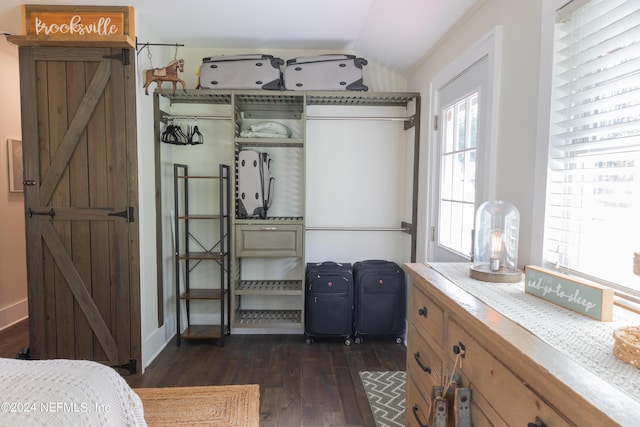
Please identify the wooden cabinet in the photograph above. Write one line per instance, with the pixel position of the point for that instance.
(515, 378)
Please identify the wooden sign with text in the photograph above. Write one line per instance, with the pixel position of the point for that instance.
(589, 299)
(108, 26)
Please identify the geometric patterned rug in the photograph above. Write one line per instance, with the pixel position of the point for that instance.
(386, 393)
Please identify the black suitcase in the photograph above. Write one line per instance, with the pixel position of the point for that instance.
(328, 301)
(380, 299)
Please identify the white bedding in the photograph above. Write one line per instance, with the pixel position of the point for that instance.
(65, 393)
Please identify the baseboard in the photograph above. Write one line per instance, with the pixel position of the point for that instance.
(153, 346)
(14, 313)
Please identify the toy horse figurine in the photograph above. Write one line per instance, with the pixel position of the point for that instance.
(166, 74)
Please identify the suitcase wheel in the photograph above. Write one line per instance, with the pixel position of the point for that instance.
(308, 340)
(347, 341)
(358, 340)
(398, 340)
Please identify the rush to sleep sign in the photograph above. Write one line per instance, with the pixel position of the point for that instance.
(589, 299)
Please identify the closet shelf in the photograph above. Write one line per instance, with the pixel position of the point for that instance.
(290, 98)
(203, 332)
(269, 287)
(269, 142)
(267, 318)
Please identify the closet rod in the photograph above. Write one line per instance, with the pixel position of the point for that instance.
(393, 119)
(405, 229)
(186, 117)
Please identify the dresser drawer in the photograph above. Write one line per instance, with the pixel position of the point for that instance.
(427, 316)
(268, 240)
(423, 363)
(513, 400)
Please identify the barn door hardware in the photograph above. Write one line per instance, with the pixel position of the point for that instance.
(143, 45)
(28, 182)
(127, 214)
(122, 56)
(131, 366)
(50, 212)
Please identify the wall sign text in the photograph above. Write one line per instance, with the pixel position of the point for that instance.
(585, 298)
(79, 25)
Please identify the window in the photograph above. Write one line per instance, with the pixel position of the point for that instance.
(592, 224)
(458, 174)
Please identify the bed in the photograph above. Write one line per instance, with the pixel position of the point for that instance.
(66, 393)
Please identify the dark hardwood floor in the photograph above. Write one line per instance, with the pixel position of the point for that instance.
(14, 339)
(300, 384)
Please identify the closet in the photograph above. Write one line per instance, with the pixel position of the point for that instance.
(268, 255)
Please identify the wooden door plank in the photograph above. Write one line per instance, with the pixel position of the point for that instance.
(119, 179)
(45, 262)
(35, 270)
(79, 290)
(58, 117)
(79, 196)
(99, 207)
(131, 126)
(64, 152)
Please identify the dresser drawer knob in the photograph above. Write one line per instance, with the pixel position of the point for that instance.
(459, 349)
(415, 410)
(416, 356)
(422, 312)
(538, 423)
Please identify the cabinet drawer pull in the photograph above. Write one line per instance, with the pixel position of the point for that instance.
(416, 356)
(459, 349)
(422, 312)
(415, 410)
(268, 228)
(538, 423)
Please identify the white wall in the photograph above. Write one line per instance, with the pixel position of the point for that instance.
(517, 103)
(13, 264)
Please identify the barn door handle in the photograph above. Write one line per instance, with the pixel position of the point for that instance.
(127, 214)
(50, 212)
(28, 182)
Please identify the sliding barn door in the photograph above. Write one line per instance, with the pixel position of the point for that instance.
(81, 200)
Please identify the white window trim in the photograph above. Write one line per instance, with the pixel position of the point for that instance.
(547, 27)
(489, 46)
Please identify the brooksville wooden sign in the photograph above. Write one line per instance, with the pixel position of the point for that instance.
(108, 26)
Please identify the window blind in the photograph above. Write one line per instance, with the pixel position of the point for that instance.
(593, 193)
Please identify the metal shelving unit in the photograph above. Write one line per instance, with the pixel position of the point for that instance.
(191, 250)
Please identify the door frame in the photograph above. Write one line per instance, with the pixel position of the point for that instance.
(488, 46)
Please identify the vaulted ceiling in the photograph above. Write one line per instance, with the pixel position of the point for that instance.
(393, 33)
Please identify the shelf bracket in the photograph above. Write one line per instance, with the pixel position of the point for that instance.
(409, 123)
(407, 227)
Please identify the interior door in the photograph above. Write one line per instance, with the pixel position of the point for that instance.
(460, 152)
(79, 121)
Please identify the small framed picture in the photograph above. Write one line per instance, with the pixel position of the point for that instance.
(14, 154)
